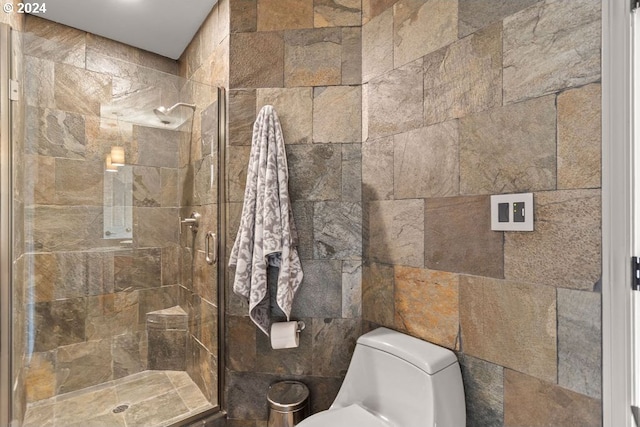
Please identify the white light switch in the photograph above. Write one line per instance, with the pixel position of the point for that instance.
(519, 209)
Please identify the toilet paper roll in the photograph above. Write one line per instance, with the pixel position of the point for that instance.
(284, 335)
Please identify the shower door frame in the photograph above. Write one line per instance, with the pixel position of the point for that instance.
(617, 214)
(6, 195)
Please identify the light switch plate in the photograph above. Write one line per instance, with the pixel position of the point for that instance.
(524, 200)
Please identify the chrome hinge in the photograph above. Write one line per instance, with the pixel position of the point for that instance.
(14, 90)
(635, 273)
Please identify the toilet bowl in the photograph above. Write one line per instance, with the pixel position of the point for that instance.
(395, 380)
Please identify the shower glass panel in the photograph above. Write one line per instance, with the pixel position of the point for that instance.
(116, 314)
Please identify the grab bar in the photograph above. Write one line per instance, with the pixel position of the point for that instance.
(207, 248)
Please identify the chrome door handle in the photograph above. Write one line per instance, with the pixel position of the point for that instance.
(211, 236)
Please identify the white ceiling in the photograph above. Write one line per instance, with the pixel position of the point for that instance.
(162, 26)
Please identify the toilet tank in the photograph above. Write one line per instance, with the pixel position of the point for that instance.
(409, 382)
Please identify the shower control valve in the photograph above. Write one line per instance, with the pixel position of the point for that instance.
(193, 222)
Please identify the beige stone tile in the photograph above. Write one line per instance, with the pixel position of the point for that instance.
(351, 56)
(64, 228)
(156, 147)
(313, 57)
(40, 179)
(55, 42)
(110, 315)
(580, 341)
(510, 324)
(377, 294)
(118, 68)
(242, 115)
(509, 149)
(102, 133)
(551, 46)
(546, 404)
(458, 237)
(241, 356)
(39, 416)
(179, 379)
(336, 114)
(238, 158)
(476, 14)
(108, 419)
(337, 13)
(377, 169)
(396, 232)
(395, 101)
(334, 341)
(114, 49)
(337, 230)
(483, 391)
(150, 226)
(55, 133)
(78, 182)
(351, 289)
(426, 305)
(315, 171)
(257, 60)
(352, 172)
(294, 107)
(85, 406)
(464, 77)
(40, 376)
(274, 15)
(373, 8)
(422, 26)
(244, 16)
(39, 82)
(564, 249)
(426, 162)
(193, 398)
(130, 353)
(80, 91)
(377, 46)
(156, 411)
(82, 365)
(579, 137)
(146, 385)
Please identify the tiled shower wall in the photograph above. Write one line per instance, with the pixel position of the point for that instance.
(205, 65)
(87, 297)
(302, 57)
(463, 99)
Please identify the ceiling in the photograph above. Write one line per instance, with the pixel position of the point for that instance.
(162, 26)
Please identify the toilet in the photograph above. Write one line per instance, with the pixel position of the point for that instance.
(395, 380)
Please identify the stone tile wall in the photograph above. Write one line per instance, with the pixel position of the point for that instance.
(461, 100)
(86, 297)
(205, 66)
(304, 58)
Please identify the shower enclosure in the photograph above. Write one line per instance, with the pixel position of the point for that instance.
(110, 297)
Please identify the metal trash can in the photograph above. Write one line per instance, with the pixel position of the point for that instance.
(288, 403)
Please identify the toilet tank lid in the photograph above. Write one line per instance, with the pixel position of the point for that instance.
(428, 357)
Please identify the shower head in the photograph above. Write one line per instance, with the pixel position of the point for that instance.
(163, 112)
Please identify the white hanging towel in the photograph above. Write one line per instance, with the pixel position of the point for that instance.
(267, 233)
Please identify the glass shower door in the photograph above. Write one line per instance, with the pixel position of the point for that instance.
(116, 313)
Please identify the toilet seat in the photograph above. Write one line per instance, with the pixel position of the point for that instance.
(350, 416)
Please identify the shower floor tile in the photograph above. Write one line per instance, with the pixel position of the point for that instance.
(149, 398)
